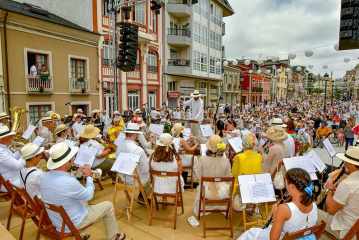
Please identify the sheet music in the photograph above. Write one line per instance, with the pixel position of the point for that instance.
(317, 162)
(85, 156)
(39, 141)
(176, 143)
(28, 132)
(70, 143)
(126, 163)
(204, 149)
(329, 147)
(206, 130)
(156, 129)
(303, 162)
(236, 144)
(120, 139)
(256, 188)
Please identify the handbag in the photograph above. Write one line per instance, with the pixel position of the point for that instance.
(278, 180)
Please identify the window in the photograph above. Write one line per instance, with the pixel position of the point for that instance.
(108, 51)
(212, 64)
(202, 85)
(154, 21)
(152, 62)
(204, 62)
(218, 67)
(196, 60)
(38, 111)
(39, 60)
(133, 100)
(78, 69)
(171, 86)
(140, 13)
(151, 100)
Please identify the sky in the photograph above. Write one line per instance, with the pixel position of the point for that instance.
(265, 28)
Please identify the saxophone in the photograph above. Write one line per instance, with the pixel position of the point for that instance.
(18, 125)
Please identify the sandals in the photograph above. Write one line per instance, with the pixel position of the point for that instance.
(120, 236)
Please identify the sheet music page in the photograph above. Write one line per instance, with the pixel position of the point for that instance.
(176, 143)
(126, 163)
(204, 149)
(329, 147)
(317, 162)
(256, 192)
(236, 144)
(156, 129)
(303, 162)
(263, 178)
(206, 130)
(85, 156)
(39, 141)
(244, 179)
(120, 139)
(28, 132)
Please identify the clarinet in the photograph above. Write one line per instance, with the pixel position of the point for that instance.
(286, 199)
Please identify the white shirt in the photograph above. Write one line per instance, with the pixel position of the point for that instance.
(77, 128)
(290, 147)
(32, 180)
(177, 115)
(143, 167)
(10, 166)
(45, 133)
(196, 107)
(33, 71)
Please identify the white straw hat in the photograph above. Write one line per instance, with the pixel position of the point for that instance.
(351, 156)
(132, 128)
(60, 154)
(5, 131)
(196, 93)
(278, 122)
(31, 150)
(165, 140)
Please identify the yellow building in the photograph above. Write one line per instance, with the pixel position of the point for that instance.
(48, 62)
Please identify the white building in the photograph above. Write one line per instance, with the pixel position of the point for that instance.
(193, 49)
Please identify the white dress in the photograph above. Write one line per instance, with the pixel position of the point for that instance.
(165, 184)
(298, 221)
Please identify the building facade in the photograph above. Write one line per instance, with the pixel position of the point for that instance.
(193, 51)
(52, 63)
(144, 84)
(231, 89)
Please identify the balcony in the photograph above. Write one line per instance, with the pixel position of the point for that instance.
(39, 84)
(223, 28)
(179, 8)
(106, 22)
(79, 86)
(180, 37)
(179, 67)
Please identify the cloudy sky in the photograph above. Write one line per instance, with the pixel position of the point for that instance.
(261, 28)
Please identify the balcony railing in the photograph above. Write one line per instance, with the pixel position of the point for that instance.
(79, 85)
(178, 1)
(183, 32)
(179, 62)
(39, 84)
(106, 21)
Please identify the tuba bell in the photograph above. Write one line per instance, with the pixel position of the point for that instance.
(18, 125)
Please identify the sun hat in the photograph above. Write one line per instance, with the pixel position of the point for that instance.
(195, 93)
(249, 141)
(278, 122)
(215, 144)
(5, 131)
(177, 129)
(276, 134)
(60, 154)
(79, 110)
(89, 132)
(132, 128)
(350, 156)
(95, 111)
(138, 111)
(165, 140)
(4, 115)
(60, 128)
(116, 113)
(30, 150)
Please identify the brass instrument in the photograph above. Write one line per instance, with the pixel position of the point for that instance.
(18, 125)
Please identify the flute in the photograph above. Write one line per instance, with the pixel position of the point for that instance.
(283, 200)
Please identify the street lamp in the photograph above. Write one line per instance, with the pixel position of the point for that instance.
(326, 78)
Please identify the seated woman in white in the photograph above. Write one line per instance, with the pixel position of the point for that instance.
(165, 159)
(300, 213)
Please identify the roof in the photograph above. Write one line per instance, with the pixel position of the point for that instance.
(228, 10)
(38, 13)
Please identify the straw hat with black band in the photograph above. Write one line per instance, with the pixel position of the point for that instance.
(60, 154)
(5, 131)
(60, 128)
(31, 150)
(278, 122)
(350, 156)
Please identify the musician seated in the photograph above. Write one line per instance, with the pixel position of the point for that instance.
(300, 213)
(130, 145)
(342, 200)
(10, 163)
(30, 175)
(117, 126)
(61, 133)
(87, 138)
(214, 164)
(77, 126)
(165, 159)
(60, 188)
(137, 117)
(46, 126)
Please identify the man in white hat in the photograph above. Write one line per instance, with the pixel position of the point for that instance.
(60, 188)
(46, 126)
(342, 203)
(289, 142)
(130, 146)
(196, 106)
(30, 176)
(77, 126)
(10, 163)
